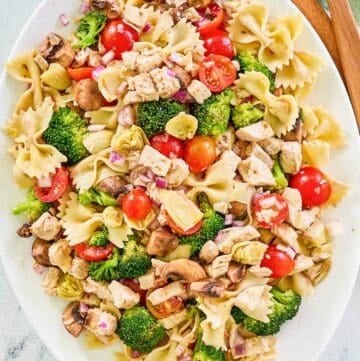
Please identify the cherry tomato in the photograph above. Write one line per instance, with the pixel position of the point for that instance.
(168, 145)
(165, 309)
(60, 182)
(136, 204)
(270, 209)
(217, 72)
(178, 230)
(119, 37)
(80, 73)
(200, 153)
(218, 42)
(213, 20)
(314, 188)
(93, 253)
(279, 262)
(136, 288)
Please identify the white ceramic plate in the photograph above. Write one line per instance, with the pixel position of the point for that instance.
(302, 339)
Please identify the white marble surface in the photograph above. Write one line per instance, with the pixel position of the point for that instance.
(19, 342)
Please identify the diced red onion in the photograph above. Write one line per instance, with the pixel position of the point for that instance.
(135, 354)
(117, 158)
(185, 358)
(161, 182)
(181, 96)
(38, 268)
(97, 71)
(102, 324)
(147, 28)
(121, 88)
(240, 349)
(96, 127)
(170, 73)
(175, 57)
(144, 178)
(64, 19)
(229, 218)
(239, 223)
(202, 21)
(150, 174)
(84, 308)
(44, 182)
(85, 7)
(129, 187)
(219, 236)
(289, 250)
(126, 116)
(107, 57)
(236, 65)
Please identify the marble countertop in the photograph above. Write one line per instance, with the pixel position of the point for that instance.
(18, 340)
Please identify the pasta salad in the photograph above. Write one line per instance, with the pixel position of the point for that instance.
(173, 175)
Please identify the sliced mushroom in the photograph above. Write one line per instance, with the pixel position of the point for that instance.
(114, 185)
(161, 243)
(236, 272)
(238, 209)
(104, 6)
(184, 77)
(73, 318)
(25, 230)
(183, 269)
(87, 95)
(40, 252)
(211, 288)
(296, 134)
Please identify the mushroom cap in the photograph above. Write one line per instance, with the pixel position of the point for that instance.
(40, 252)
(183, 269)
(73, 319)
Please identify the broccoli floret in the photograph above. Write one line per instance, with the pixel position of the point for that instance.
(153, 116)
(214, 114)
(100, 238)
(245, 114)
(89, 28)
(248, 62)
(99, 197)
(106, 270)
(204, 352)
(279, 175)
(138, 329)
(66, 132)
(33, 206)
(213, 222)
(285, 307)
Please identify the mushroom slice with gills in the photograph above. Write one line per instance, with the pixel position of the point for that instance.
(40, 252)
(238, 209)
(73, 318)
(161, 243)
(236, 272)
(24, 231)
(296, 133)
(183, 269)
(113, 185)
(209, 288)
(184, 77)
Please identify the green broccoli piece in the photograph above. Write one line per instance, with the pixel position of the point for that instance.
(106, 270)
(285, 307)
(248, 62)
(138, 329)
(100, 238)
(33, 206)
(214, 114)
(245, 114)
(153, 116)
(99, 197)
(89, 29)
(279, 175)
(213, 222)
(66, 132)
(204, 352)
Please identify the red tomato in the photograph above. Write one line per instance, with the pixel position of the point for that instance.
(136, 288)
(136, 204)
(168, 145)
(80, 73)
(270, 209)
(165, 309)
(119, 37)
(217, 72)
(93, 253)
(314, 188)
(218, 42)
(200, 153)
(178, 230)
(213, 20)
(280, 263)
(59, 185)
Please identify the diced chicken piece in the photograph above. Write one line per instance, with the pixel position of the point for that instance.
(46, 227)
(133, 97)
(255, 132)
(95, 59)
(143, 87)
(161, 243)
(129, 59)
(147, 63)
(191, 15)
(158, 265)
(261, 272)
(256, 172)
(153, 159)
(100, 289)
(219, 266)
(211, 288)
(87, 95)
(178, 172)
(209, 251)
(134, 15)
(322, 253)
(287, 235)
(79, 268)
(174, 319)
(51, 280)
(165, 83)
(199, 91)
(147, 280)
(302, 263)
(230, 236)
(255, 150)
(291, 157)
(221, 207)
(271, 146)
(114, 185)
(123, 296)
(81, 58)
(236, 272)
(59, 255)
(316, 234)
(161, 295)
(100, 323)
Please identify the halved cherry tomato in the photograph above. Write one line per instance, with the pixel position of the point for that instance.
(279, 262)
(217, 72)
(178, 230)
(213, 20)
(218, 42)
(60, 182)
(314, 188)
(119, 37)
(136, 288)
(80, 73)
(136, 204)
(93, 253)
(270, 209)
(200, 153)
(168, 145)
(165, 309)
